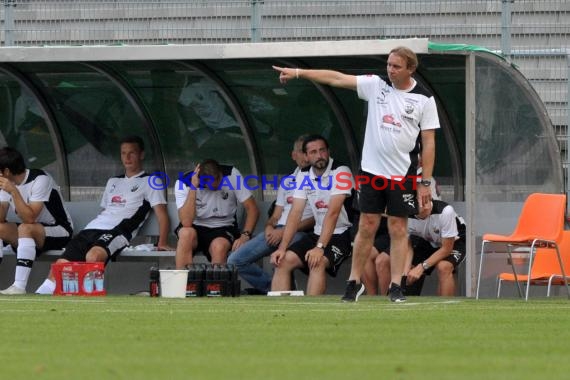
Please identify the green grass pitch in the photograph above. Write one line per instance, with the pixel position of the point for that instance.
(129, 337)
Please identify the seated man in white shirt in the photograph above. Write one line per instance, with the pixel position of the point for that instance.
(126, 204)
(437, 241)
(44, 222)
(327, 187)
(207, 201)
(262, 245)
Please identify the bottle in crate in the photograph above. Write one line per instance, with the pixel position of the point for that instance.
(88, 282)
(99, 280)
(209, 272)
(234, 280)
(79, 278)
(65, 281)
(212, 287)
(216, 272)
(74, 282)
(195, 281)
(154, 284)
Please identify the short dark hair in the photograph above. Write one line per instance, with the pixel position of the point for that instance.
(210, 167)
(12, 159)
(312, 138)
(299, 142)
(133, 139)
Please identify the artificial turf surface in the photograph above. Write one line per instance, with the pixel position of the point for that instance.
(255, 337)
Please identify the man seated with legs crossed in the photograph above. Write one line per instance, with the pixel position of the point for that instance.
(327, 187)
(262, 245)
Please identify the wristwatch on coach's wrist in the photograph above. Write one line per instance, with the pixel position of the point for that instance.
(426, 182)
(246, 233)
(425, 265)
(321, 245)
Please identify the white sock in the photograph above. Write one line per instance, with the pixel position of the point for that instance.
(26, 254)
(47, 287)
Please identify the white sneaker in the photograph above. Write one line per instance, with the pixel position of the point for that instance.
(13, 291)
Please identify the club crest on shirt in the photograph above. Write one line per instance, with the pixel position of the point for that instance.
(389, 119)
(225, 195)
(118, 200)
(409, 108)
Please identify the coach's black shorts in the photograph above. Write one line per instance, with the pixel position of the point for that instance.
(397, 198)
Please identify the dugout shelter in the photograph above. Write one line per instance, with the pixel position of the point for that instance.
(66, 108)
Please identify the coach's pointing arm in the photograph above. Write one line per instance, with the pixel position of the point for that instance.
(328, 77)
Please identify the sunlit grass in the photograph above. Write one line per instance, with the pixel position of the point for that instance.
(282, 338)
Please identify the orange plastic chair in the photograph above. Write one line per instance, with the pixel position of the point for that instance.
(545, 269)
(540, 225)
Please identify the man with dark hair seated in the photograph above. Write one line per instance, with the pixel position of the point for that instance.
(246, 257)
(44, 222)
(207, 201)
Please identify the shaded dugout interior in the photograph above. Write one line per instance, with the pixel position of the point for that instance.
(66, 108)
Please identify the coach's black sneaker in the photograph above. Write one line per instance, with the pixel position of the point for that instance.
(353, 291)
(396, 293)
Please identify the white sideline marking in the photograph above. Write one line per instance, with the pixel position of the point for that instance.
(180, 305)
(47, 298)
(343, 305)
(430, 303)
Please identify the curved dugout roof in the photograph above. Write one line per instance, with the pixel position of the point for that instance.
(66, 108)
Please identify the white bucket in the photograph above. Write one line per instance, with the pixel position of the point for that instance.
(173, 283)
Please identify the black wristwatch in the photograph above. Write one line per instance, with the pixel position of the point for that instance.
(425, 182)
(246, 233)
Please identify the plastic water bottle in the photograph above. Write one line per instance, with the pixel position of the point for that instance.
(99, 280)
(88, 282)
(209, 272)
(226, 273)
(191, 272)
(65, 281)
(154, 285)
(217, 272)
(200, 272)
(74, 282)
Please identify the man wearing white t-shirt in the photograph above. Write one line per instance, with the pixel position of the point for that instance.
(437, 242)
(207, 201)
(246, 257)
(402, 119)
(44, 222)
(126, 204)
(326, 186)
